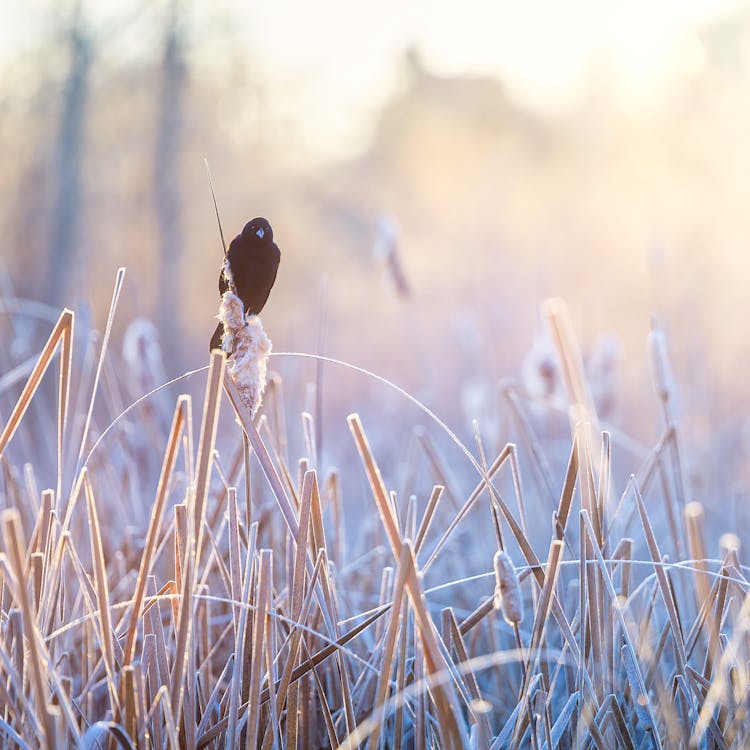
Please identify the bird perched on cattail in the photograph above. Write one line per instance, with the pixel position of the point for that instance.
(249, 270)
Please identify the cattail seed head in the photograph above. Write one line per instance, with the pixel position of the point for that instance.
(507, 589)
(661, 371)
(143, 355)
(249, 347)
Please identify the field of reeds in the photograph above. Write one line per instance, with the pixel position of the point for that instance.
(177, 573)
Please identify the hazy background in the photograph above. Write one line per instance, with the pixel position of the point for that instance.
(598, 151)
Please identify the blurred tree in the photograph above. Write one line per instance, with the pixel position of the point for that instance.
(66, 208)
(169, 132)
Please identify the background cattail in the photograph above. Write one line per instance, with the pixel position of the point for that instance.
(386, 251)
(248, 346)
(143, 356)
(507, 589)
(661, 370)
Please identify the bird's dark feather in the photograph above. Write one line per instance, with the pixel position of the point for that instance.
(254, 262)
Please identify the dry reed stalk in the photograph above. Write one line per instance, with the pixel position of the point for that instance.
(104, 622)
(642, 703)
(539, 627)
(62, 332)
(424, 524)
(377, 485)
(207, 440)
(235, 588)
(439, 466)
(40, 534)
(264, 459)
(515, 474)
(694, 520)
(286, 684)
(128, 700)
(664, 586)
(157, 512)
(14, 543)
(586, 478)
(452, 733)
(389, 647)
(285, 691)
(271, 672)
(466, 507)
(571, 363)
(472, 683)
(183, 624)
(561, 515)
(180, 531)
(235, 689)
(544, 471)
(398, 719)
(262, 606)
(102, 353)
(713, 652)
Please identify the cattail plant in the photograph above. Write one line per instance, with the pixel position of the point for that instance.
(231, 615)
(507, 589)
(246, 341)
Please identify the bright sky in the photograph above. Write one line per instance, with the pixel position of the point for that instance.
(332, 62)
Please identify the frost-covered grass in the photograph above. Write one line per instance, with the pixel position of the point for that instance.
(179, 580)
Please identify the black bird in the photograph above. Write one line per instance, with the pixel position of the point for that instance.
(253, 261)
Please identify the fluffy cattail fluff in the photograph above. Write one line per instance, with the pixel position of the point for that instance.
(507, 589)
(248, 346)
(226, 269)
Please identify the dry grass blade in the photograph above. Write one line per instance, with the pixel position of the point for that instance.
(376, 484)
(569, 485)
(694, 521)
(571, 363)
(381, 691)
(439, 466)
(14, 543)
(562, 723)
(537, 632)
(470, 677)
(261, 453)
(285, 691)
(446, 702)
(206, 444)
(63, 330)
(719, 684)
(664, 586)
(424, 525)
(104, 622)
(486, 481)
(105, 341)
(642, 703)
(170, 457)
(235, 689)
(183, 619)
(262, 604)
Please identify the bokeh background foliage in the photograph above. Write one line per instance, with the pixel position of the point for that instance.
(593, 153)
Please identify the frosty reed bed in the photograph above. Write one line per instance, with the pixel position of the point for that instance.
(236, 614)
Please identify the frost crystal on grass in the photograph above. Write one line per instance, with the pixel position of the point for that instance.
(247, 348)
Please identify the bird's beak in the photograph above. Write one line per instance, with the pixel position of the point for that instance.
(260, 232)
